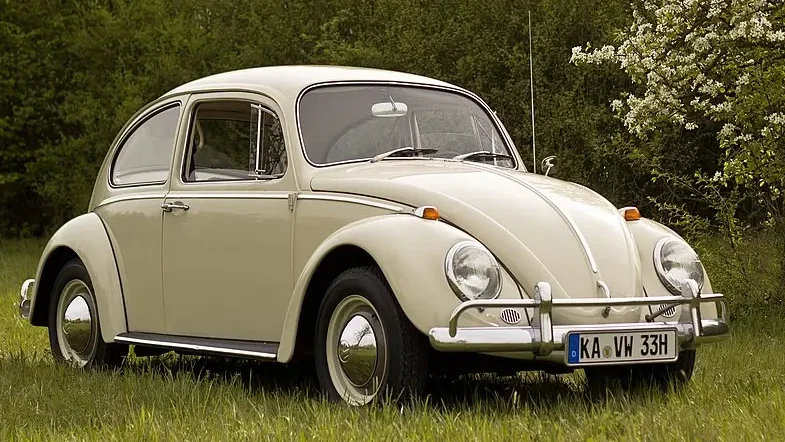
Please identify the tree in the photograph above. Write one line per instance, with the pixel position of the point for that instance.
(717, 63)
(715, 66)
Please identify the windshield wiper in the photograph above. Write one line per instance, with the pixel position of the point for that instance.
(481, 153)
(390, 153)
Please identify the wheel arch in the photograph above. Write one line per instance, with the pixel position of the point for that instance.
(339, 259)
(46, 281)
(410, 253)
(85, 238)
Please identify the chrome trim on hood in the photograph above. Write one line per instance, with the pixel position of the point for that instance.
(564, 215)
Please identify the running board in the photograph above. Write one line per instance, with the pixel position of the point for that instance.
(225, 347)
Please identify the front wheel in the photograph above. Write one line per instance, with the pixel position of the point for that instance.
(365, 346)
(74, 330)
(630, 377)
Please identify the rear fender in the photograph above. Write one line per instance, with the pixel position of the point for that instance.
(86, 237)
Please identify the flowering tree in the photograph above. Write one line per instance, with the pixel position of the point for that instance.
(717, 63)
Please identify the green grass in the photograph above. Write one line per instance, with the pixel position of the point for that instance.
(738, 393)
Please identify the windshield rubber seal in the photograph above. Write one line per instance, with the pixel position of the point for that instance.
(471, 96)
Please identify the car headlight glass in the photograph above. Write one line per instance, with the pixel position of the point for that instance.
(473, 272)
(676, 262)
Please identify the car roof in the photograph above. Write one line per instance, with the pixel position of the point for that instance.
(290, 80)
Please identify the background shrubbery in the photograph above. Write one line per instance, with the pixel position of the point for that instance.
(72, 72)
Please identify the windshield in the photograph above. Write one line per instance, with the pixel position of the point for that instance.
(358, 122)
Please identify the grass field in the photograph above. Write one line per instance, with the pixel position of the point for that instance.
(738, 393)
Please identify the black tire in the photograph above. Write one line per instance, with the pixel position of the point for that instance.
(674, 375)
(99, 354)
(407, 354)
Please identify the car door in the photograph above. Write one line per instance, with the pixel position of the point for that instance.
(131, 211)
(227, 224)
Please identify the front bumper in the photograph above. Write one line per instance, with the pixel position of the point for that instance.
(544, 338)
(24, 299)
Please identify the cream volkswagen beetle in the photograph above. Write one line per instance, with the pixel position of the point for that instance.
(378, 223)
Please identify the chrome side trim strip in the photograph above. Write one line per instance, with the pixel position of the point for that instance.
(350, 199)
(251, 194)
(194, 347)
(248, 195)
(130, 197)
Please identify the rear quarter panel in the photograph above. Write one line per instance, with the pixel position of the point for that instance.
(86, 236)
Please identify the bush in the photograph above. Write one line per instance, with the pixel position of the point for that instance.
(747, 272)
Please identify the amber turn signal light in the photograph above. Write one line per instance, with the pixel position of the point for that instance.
(631, 213)
(427, 212)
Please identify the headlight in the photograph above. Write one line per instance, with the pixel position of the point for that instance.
(676, 262)
(472, 271)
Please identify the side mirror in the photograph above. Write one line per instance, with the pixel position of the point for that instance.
(547, 164)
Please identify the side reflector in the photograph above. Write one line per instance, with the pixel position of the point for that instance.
(427, 212)
(631, 213)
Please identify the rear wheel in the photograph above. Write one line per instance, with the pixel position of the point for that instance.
(365, 346)
(630, 377)
(74, 328)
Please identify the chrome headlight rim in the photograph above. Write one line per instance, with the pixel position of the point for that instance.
(660, 270)
(449, 269)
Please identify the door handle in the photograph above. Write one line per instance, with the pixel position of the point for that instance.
(167, 207)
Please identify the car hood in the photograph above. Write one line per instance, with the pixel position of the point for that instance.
(540, 228)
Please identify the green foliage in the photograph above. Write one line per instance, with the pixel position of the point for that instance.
(72, 73)
(707, 75)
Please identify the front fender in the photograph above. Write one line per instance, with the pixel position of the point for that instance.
(646, 233)
(86, 236)
(410, 252)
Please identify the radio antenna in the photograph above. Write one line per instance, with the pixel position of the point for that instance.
(531, 83)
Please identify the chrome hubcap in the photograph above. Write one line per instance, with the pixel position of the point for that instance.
(356, 350)
(75, 330)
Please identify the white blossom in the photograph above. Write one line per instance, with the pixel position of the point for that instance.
(711, 60)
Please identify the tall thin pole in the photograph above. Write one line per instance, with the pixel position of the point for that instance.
(531, 82)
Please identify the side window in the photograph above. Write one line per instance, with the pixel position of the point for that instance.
(234, 140)
(146, 155)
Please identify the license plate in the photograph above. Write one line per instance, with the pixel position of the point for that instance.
(597, 348)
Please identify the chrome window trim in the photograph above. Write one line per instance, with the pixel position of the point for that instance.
(186, 148)
(137, 123)
(194, 347)
(351, 199)
(468, 94)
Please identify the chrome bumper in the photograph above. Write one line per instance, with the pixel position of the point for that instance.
(545, 338)
(24, 300)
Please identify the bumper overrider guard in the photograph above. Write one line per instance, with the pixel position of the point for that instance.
(545, 338)
(24, 299)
